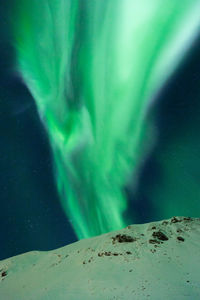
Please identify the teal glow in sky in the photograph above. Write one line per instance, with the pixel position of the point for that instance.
(94, 68)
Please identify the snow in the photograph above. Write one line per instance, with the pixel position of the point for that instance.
(158, 260)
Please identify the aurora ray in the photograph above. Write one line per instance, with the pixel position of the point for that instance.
(94, 68)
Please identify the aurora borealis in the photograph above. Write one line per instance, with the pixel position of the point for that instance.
(93, 84)
(111, 117)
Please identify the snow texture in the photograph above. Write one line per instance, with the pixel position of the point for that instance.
(158, 260)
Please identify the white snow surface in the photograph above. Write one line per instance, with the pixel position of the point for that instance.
(158, 261)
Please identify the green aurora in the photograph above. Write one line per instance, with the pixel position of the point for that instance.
(94, 68)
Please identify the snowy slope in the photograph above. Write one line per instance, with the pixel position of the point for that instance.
(159, 260)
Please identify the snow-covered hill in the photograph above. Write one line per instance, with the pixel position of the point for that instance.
(157, 261)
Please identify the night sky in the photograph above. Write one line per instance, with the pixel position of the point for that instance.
(31, 217)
